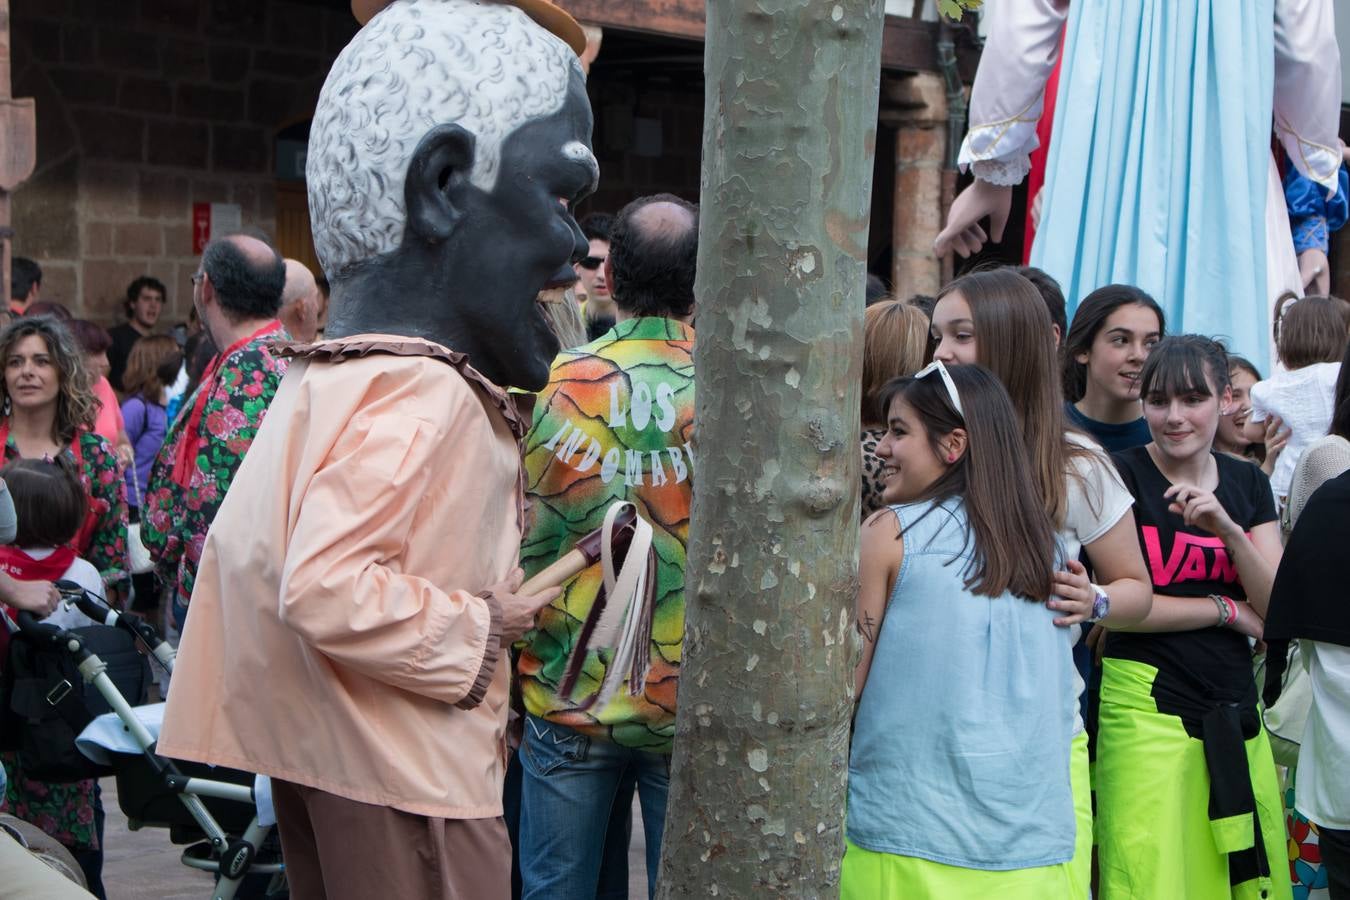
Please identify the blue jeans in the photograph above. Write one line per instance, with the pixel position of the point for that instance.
(613, 864)
(567, 796)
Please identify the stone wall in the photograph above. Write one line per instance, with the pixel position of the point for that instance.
(145, 107)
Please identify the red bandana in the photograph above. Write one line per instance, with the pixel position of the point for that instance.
(191, 444)
(21, 567)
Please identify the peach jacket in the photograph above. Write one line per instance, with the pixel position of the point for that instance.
(338, 635)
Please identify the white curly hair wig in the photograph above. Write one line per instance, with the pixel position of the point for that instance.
(483, 65)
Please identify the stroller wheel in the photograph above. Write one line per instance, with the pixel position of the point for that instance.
(264, 882)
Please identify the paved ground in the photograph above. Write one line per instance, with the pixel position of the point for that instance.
(143, 865)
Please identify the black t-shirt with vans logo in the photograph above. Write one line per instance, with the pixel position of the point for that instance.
(1185, 561)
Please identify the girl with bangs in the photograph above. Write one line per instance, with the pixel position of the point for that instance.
(1187, 799)
(970, 796)
(998, 319)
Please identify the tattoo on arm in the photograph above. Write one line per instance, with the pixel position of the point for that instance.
(867, 626)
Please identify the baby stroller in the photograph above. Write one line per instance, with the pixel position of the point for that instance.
(213, 810)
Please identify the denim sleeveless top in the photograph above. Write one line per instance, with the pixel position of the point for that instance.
(961, 744)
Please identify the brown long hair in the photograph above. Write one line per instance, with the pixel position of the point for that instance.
(895, 339)
(1014, 341)
(76, 406)
(152, 366)
(1088, 320)
(1012, 536)
(1313, 330)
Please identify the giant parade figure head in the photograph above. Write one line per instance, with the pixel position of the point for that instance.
(450, 144)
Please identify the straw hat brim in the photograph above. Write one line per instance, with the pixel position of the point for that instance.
(557, 21)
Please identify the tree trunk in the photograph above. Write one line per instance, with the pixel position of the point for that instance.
(758, 777)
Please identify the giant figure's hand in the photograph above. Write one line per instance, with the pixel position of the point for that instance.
(1314, 271)
(518, 610)
(963, 232)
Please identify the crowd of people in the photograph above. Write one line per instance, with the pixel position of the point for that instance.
(1102, 485)
(1149, 456)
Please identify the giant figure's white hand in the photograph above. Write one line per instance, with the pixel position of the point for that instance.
(963, 232)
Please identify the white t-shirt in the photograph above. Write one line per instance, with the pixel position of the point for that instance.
(1096, 499)
(1321, 788)
(83, 573)
(1304, 400)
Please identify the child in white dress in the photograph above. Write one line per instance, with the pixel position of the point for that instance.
(1310, 338)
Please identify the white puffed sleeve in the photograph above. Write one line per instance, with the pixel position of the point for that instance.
(1019, 53)
(1308, 88)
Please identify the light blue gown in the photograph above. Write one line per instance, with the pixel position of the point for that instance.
(1160, 160)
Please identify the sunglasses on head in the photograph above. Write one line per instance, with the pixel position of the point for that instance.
(591, 262)
(937, 366)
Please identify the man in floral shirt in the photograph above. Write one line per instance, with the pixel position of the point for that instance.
(237, 292)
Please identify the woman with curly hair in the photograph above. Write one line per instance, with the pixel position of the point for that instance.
(47, 410)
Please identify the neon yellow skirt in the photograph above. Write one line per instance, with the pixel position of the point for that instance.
(868, 875)
(1154, 836)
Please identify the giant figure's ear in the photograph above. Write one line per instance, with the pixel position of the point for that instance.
(437, 178)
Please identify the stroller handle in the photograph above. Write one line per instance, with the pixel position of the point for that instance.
(30, 625)
(85, 602)
(54, 635)
(95, 608)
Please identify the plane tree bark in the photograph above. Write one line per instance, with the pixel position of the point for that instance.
(758, 777)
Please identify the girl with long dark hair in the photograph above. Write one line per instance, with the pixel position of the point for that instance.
(970, 796)
(1108, 341)
(998, 319)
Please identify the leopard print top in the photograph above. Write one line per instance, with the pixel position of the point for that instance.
(871, 472)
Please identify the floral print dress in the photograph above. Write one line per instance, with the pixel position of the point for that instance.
(177, 515)
(66, 811)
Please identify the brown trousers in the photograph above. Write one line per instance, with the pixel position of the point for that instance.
(336, 849)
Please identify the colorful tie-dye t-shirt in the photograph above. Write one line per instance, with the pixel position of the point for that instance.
(615, 423)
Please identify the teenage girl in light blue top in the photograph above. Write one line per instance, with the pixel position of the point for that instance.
(959, 775)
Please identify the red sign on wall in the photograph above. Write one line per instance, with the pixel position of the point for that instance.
(213, 220)
(201, 226)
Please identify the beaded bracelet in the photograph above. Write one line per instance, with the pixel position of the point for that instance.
(1228, 610)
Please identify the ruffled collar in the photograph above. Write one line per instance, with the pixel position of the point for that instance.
(338, 350)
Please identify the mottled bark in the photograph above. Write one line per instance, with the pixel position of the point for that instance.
(759, 772)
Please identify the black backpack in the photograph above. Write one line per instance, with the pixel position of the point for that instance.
(45, 703)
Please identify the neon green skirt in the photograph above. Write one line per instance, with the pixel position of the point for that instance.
(1154, 836)
(868, 875)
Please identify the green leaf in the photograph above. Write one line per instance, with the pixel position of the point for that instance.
(952, 9)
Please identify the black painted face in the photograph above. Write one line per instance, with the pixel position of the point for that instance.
(521, 238)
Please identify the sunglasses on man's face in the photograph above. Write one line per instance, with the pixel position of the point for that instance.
(591, 262)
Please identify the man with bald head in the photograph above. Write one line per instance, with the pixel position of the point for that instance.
(614, 423)
(237, 292)
(300, 302)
